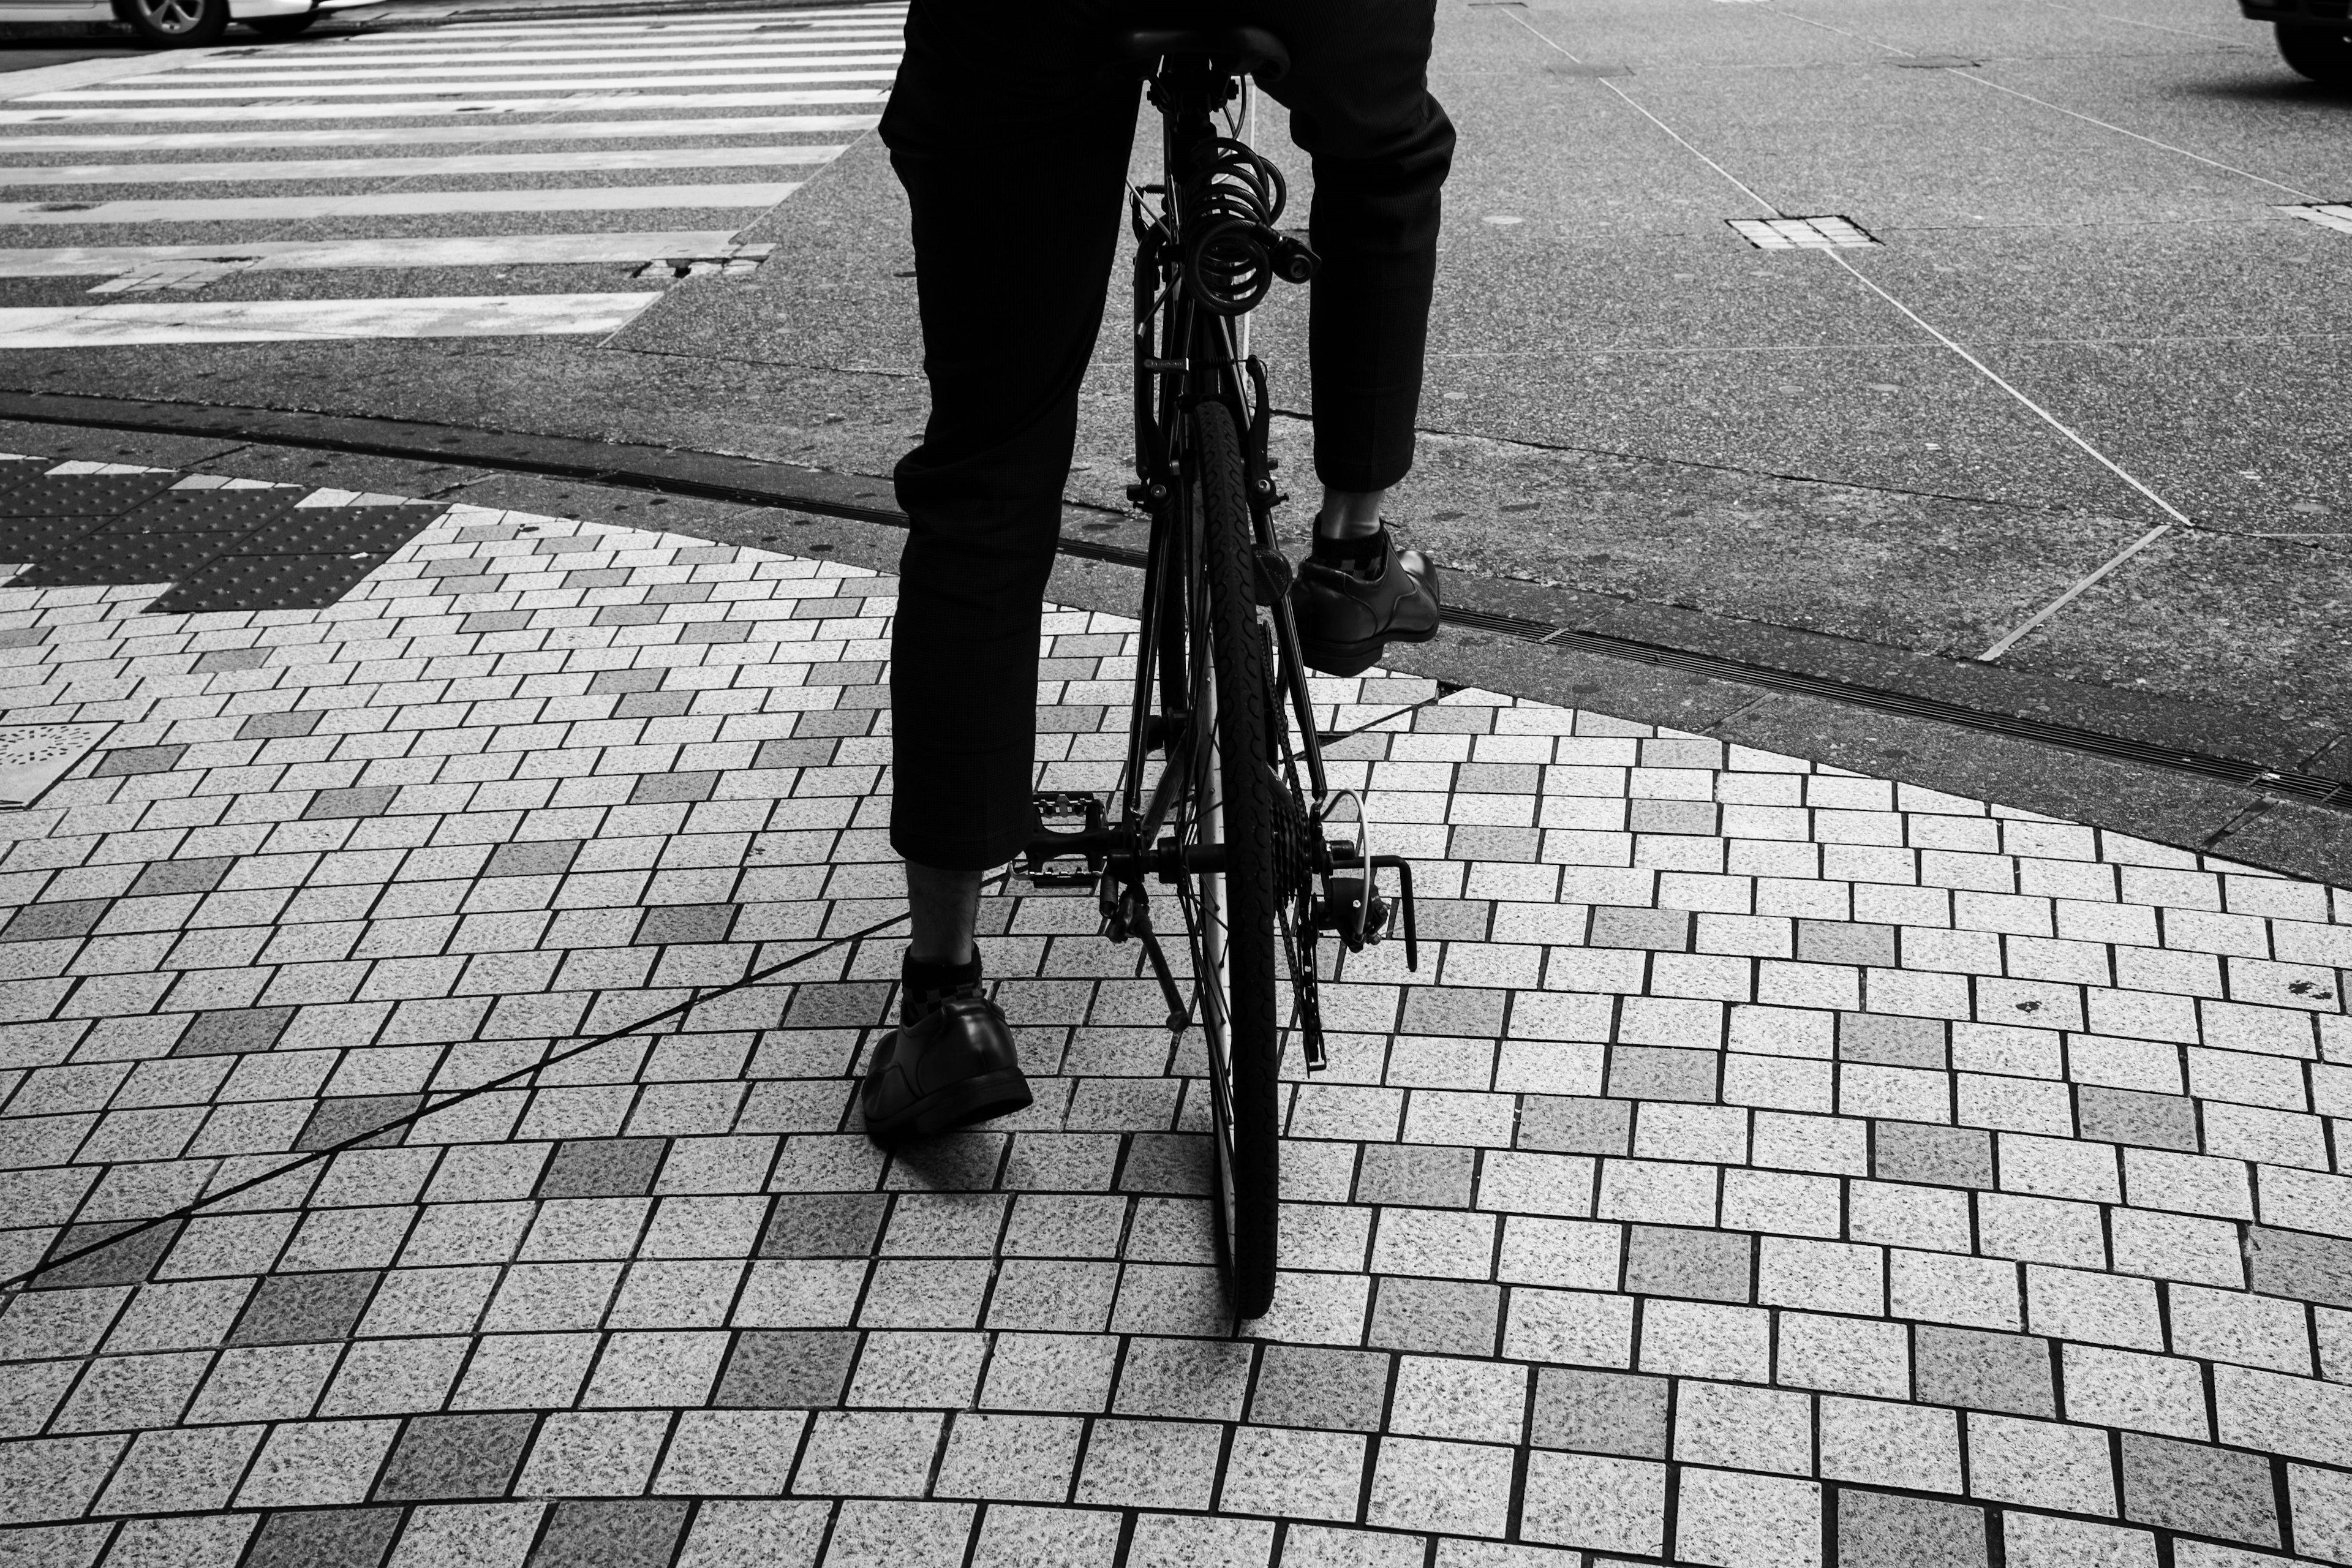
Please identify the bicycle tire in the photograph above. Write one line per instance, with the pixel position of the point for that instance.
(1247, 1096)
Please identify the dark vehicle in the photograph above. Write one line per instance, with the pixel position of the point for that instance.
(2314, 37)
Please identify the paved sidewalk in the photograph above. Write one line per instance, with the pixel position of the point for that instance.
(1771, 1166)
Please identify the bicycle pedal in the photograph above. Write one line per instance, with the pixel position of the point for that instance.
(1068, 857)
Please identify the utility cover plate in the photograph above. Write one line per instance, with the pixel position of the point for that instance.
(34, 757)
(1827, 233)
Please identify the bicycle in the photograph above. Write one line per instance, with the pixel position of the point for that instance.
(1222, 798)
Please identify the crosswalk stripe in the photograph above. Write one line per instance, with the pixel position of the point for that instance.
(775, 92)
(741, 21)
(782, 17)
(406, 204)
(718, 50)
(586, 103)
(494, 37)
(294, 321)
(318, 255)
(598, 64)
(599, 83)
(411, 168)
(387, 136)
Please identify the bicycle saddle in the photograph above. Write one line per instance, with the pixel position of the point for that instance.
(1243, 51)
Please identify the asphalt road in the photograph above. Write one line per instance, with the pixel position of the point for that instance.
(2088, 312)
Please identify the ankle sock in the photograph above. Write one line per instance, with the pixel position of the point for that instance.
(1362, 556)
(923, 986)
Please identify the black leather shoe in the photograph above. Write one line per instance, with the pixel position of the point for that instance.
(1345, 620)
(946, 1065)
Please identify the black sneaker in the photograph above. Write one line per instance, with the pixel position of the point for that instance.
(951, 1062)
(1351, 602)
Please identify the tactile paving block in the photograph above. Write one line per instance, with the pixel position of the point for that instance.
(102, 558)
(83, 495)
(343, 529)
(267, 583)
(206, 511)
(32, 539)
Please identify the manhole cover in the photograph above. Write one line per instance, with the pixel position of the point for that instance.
(34, 757)
(2337, 216)
(1801, 233)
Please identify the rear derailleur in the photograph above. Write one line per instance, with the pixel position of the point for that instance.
(1077, 845)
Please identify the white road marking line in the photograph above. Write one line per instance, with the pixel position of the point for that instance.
(580, 84)
(81, 73)
(391, 136)
(313, 255)
(294, 321)
(2009, 639)
(407, 204)
(586, 103)
(2337, 216)
(1981, 79)
(598, 66)
(720, 49)
(587, 36)
(742, 22)
(410, 168)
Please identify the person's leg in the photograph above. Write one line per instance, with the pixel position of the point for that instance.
(942, 907)
(990, 109)
(1358, 91)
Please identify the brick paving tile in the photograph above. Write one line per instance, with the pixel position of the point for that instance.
(1768, 1155)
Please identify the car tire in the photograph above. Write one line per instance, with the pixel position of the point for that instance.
(176, 24)
(282, 26)
(2322, 54)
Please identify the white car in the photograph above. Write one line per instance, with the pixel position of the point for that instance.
(179, 24)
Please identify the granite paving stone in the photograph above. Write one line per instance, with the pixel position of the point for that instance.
(330, 1538)
(1766, 1159)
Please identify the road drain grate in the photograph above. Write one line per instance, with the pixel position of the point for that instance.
(2327, 215)
(1827, 233)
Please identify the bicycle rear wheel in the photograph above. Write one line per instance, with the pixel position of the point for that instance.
(1235, 805)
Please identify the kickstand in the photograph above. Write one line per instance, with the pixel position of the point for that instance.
(1138, 925)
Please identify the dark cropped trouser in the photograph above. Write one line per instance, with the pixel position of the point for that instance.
(1011, 137)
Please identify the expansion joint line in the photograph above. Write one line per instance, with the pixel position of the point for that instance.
(694, 998)
(2080, 585)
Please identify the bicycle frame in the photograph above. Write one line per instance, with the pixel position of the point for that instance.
(1188, 351)
(1210, 359)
